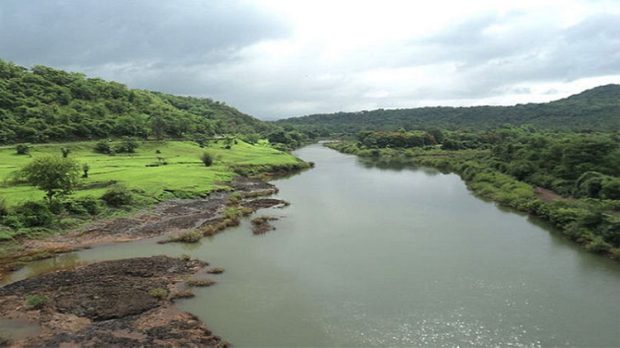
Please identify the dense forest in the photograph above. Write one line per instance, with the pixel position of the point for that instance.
(594, 109)
(42, 104)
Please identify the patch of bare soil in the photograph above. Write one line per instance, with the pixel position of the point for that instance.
(123, 303)
(547, 195)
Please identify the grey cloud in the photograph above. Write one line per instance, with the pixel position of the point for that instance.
(93, 32)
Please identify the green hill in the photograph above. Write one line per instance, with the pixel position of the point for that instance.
(44, 104)
(594, 109)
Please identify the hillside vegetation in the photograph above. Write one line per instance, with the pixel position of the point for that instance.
(42, 104)
(594, 109)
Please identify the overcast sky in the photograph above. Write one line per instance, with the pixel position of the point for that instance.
(275, 59)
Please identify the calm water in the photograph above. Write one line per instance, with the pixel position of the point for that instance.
(382, 257)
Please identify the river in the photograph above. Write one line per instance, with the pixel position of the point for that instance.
(368, 256)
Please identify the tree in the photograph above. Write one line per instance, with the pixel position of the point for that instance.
(54, 175)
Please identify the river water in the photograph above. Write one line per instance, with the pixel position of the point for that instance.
(369, 256)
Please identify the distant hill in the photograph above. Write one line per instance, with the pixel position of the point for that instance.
(593, 109)
(44, 104)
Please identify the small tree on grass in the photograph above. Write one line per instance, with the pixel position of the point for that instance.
(54, 175)
(85, 169)
(65, 152)
(207, 159)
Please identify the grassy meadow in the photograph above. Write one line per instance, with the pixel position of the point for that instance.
(142, 170)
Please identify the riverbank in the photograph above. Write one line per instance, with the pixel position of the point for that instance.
(592, 223)
(170, 220)
(127, 302)
(112, 303)
(160, 188)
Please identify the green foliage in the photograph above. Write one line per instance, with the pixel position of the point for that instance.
(82, 206)
(159, 293)
(22, 149)
(34, 214)
(128, 145)
(400, 139)
(192, 236)
(595, 109)
(104, 147)
(207, 159)
(43, 104)
(85, 169)
(53, 175)
(65, 152)
(117, 196)
(4, 209)
(35, 301)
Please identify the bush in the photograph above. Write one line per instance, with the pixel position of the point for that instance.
(103, 147)
(611, 188)
(34, 214)
(35, 301)
(117, 196)
(85, 169)
(65, 152)
(127, 146)
(207, 159)
(82, 206)
(187, 237)
(159, 293)
(22, 149)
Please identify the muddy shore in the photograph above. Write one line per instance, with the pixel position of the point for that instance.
(127, 302)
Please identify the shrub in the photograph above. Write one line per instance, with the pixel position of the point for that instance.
(117, 196)
(22, 149)
(207, 159)
(187, 237)
(103, 147)
(35, 301)
(65, 152)
(34, 214)
(82, 206)
(127, 146)
(159, 293)
(85, 169)
(611, 188)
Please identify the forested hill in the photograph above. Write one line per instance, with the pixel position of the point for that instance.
(44, 104)
(594, 109)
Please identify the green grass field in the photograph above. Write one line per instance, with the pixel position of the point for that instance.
(184, 171)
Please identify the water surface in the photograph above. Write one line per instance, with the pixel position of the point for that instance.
(370, 256)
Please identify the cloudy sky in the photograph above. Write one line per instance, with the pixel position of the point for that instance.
(280, 58)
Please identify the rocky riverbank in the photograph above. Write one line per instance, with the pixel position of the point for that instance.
(123, 303)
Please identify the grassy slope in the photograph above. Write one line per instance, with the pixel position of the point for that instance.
(184, 172)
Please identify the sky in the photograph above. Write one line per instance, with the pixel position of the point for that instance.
(276, 58)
